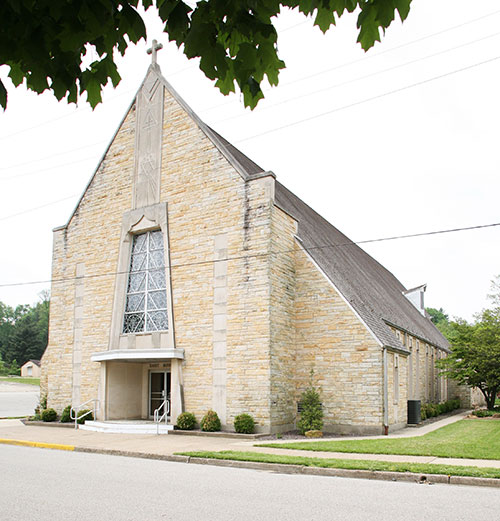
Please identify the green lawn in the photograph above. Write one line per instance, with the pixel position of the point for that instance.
(476, 439)
(20, 380)
(419, 468)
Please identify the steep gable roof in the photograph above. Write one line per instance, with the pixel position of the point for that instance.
(374, 292)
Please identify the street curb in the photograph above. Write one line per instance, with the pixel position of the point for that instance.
(39, 444)
(380, 475)
(280, 468)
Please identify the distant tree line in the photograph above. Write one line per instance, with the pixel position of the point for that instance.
(23, 333)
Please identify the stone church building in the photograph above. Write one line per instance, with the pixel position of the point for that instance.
(189, 272)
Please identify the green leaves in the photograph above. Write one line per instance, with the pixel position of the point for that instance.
(45, 42)
(475, 356)
(376, 15)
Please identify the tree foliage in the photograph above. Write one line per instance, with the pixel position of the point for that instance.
(45, 42)
(475, 355)
(24, 331)
(442, 321)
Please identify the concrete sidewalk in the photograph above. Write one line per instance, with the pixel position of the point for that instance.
(150, 445)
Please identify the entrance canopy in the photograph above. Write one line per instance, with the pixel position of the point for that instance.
(138, 355)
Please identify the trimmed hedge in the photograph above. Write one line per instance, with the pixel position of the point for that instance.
(430, 410)
(244, 424)
(66, 415)
(49, 415)
(186, 421)
(89, 417)
(210, 422)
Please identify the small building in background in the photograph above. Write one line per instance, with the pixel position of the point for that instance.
(31, 368)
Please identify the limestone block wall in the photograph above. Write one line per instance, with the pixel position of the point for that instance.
(469, 397)
(424, 381)
(91, 240)
(282, 314)
(397, 389)
(124, 386)
(345, 358)
(207, 199)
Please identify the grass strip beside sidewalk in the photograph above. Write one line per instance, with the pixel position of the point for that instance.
(471, 439)
(20, 380)
(416, 468)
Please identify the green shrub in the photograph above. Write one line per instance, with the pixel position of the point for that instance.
(186, 421)
(49, 415)
(244, 424)
(485, 413)
(311, 417)
(66, 415)
(81, 420)
(210, 422)
(429, 410)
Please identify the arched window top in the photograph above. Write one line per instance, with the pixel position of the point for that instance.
(146, 302)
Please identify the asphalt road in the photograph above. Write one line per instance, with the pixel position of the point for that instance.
(18, 399)
(43, 485)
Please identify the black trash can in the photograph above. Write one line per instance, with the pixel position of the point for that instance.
(414, 411)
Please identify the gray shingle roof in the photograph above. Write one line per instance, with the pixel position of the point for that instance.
(374, 293)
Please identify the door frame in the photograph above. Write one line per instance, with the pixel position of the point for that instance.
(165, 373)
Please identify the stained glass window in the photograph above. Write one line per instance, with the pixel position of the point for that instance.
(146, 305)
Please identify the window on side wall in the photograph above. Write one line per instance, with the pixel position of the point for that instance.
(146, 301)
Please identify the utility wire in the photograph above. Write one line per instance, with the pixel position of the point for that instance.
(49, 168)
(367, 100)
(264, 108)
(37, 208)
(258, 255)
(359, 78)
(338, 109)
(40, 159)
(366, 57)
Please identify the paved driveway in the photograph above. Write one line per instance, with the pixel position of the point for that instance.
(18, 399)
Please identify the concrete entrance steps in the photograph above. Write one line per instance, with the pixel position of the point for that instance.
(126, 427)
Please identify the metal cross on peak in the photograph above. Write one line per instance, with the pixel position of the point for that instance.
(155, 47)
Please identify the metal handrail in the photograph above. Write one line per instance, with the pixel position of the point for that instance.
(78, 408)
(156, 415)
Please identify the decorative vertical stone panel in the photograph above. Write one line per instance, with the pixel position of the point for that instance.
(78, 333)
(148, 141)
(219, 371)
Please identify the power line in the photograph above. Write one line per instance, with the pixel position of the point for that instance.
(85, 106)
(39, 159)
(366, 100)
(359, 78)
(258, 255)
(37, 207)
(49, 168)
(366, 57)
(338, 109)
(281, 103)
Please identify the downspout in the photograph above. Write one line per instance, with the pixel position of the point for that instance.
(386, 399)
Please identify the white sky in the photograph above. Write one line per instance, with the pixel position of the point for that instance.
(420, 159)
